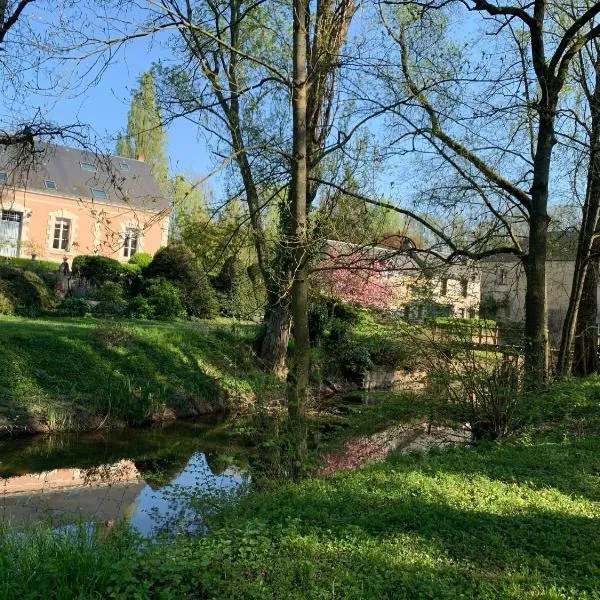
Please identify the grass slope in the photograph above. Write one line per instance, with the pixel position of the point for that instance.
(66, 373)
(513, 520)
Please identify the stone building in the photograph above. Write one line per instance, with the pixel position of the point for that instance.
(413, 283)
(503, 282)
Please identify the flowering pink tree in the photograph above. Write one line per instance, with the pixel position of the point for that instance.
(357, 279)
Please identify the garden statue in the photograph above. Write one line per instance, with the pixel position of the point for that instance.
(64, 278)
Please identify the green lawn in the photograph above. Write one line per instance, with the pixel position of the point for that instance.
(512, 519)
(69, 373)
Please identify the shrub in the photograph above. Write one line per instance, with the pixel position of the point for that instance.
(74, 307)
(98, 269)
(111, 291)
(355, 358)
(177, 264)
(6, 302)
(201, 301)
(238, 294)
(27, 293)
(163, 298)
(140, 308)
(482, 392)
(141, 259)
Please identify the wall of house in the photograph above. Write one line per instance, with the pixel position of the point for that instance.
(508, 290)
(95, 227)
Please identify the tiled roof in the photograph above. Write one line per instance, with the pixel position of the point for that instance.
(126, 182)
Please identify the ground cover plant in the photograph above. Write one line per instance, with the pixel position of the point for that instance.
(65, 373)
(512, 519)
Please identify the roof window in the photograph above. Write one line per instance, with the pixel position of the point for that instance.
(88, 166)
(3, 177)
(50, 185)
(99, 194)
(124, 166)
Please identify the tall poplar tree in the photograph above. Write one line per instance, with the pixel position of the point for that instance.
(145, 135)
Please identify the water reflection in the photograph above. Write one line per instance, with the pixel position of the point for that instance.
(162, 488)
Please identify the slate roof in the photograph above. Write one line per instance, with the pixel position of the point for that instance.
(126, 182)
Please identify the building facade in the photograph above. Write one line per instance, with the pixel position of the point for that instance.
(68, 202)
(414, 284)
(503, 282)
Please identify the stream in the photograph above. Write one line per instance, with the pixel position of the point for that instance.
(161, 480)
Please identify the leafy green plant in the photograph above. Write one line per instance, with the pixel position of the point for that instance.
(74, 307)
(27, 293)
(141, 259)
(177, 264)
(140, 308)
(98, 269)
(164, 298)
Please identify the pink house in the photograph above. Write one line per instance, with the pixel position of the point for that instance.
(69, 202)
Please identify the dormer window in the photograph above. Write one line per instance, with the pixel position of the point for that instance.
(3, 177)
(124, 166)
(99, 194)
(88, 166)
(49, 184)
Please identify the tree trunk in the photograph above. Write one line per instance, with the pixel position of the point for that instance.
(577, 324)
(585, 360)
(274, 336)
(536, 312)
(298, 379)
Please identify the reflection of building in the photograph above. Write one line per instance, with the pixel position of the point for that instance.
(99, 494)
(71, 202)
(406, 280)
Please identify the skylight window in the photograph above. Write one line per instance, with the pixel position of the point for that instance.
(88, 166)
(124, 166)
(50, 185)
(3, 177)
(99, 194)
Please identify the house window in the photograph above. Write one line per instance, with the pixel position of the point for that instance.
(99, 194)
(88, 166)
(444, 289)
(502, 277)
(10, 232)
(464, 287)
(3, 177)
(62, 233)
(49, 184)
(124, 166)
(130, 243)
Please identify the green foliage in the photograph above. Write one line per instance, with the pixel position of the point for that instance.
(24, 292)
(502, 521)
(90, 368)
(6, 303)
(355, 342)
(177, 264)
(145, 135)
(111, 291)
(141, 259)
(74, 307)
(98, 269)
(140, 308)
(239, 295)
(163, 298)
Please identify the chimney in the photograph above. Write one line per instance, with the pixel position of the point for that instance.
(140, 157)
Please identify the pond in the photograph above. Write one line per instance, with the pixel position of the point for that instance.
(161, 479)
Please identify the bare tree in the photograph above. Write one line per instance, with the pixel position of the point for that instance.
(546, 58)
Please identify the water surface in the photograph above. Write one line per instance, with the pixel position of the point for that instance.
(161, 480)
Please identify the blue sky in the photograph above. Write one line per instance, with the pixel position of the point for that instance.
(104, 105)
